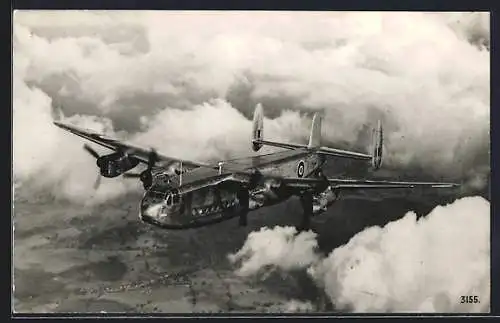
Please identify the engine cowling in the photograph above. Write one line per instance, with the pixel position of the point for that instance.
(323, 200)
(115, 164)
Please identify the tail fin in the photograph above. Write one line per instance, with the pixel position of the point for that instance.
(315, 136)
(258, 127)
(378, 141)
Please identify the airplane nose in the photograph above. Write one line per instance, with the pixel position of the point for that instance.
(156, 214)
(152, 206)
(154, 210)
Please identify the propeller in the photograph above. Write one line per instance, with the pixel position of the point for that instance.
(152, 159)
(91, 151)
(97, 182)
(132, 175)
(146, 175)
(94, 154)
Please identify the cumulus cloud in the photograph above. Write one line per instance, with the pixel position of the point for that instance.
(275, 248)
(188, 81)
(472, 26)
(409, 265)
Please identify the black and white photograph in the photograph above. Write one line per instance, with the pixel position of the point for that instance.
(250, 162)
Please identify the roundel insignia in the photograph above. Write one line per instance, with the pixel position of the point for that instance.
(300, 169)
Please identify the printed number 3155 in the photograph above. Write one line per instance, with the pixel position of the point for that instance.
(469, 299)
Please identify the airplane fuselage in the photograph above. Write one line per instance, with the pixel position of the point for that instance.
(163, 206)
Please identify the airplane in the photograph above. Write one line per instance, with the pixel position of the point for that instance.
(184, 194)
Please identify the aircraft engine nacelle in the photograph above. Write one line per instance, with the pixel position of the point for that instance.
(323, 200)
(115, 164)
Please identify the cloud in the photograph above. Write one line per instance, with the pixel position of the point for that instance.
(275, 248)
(409, 265)
(187, 81)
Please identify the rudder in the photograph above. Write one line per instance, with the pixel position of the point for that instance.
(377, 146)
(315, 135)
(258, 127)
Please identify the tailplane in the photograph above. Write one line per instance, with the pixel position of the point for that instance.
(315, 140)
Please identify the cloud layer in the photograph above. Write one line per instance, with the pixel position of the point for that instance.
(409, 265)
(187, 83)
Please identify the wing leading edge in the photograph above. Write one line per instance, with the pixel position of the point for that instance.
(118, 145)
(303, 184)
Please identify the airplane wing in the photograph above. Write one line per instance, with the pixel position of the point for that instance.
(304, 184)
(118, 145)
(346, 184)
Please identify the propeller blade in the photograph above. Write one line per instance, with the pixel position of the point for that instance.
(132, 175)
(91, 151)
(97, 182)
(152, 158)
